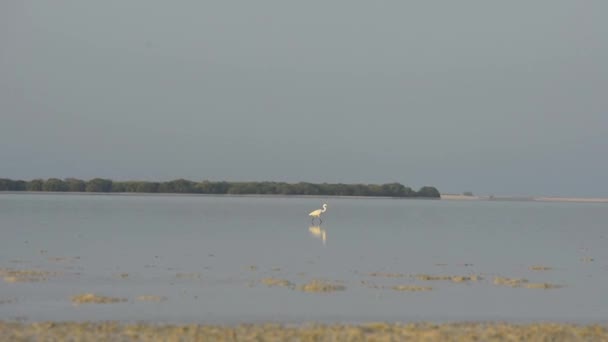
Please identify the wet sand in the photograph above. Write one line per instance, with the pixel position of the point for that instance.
(457, 197)
(572, 199)
(115, 331)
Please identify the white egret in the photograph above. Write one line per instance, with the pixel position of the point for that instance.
(317, 213)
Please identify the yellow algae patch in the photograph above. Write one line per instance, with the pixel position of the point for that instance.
(151, 298)
(277, 282)
(460, 279)
(19, 276)
(513, 282)
(521, 282)
(540, 268)
(587, 259)
(431, 277)
(455, 279)
(321, 286)
(193, 275)
(12, 279)
(387, 275)
(542, 286)
(411, 288)
(124, 275)
(93, 298)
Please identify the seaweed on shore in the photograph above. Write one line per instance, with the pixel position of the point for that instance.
(96, 299)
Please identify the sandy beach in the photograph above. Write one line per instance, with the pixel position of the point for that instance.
(457, 197)
(572, 199)
(308, 332)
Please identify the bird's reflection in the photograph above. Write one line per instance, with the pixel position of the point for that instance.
(318, 233)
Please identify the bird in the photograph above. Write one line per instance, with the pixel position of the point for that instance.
(317, 213)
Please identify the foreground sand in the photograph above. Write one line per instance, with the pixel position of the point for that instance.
(113, 331)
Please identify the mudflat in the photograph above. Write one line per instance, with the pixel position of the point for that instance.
(115, 331)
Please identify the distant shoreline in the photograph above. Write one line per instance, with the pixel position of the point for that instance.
(447, 197)
(456, 197)
(168, 194)
(184, 186)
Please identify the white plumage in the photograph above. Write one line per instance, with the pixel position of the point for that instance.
(317, 213)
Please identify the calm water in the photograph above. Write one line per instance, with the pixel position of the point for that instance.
(207, 256)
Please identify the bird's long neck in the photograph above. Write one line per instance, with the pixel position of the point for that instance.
(324, 209)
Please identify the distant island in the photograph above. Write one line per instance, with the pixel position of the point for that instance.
(184, 186)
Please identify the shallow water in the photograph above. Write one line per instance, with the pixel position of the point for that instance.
(208, 256)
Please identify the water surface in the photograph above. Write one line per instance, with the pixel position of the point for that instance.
(207, 256)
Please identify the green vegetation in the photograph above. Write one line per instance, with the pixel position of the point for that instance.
(183, 186)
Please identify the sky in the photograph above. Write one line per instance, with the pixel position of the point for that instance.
(493, 97)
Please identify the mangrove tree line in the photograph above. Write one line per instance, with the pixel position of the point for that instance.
(184, 186)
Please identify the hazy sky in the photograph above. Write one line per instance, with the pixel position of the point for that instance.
(494, 97)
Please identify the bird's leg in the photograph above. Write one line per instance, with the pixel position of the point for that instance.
(320, 221)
